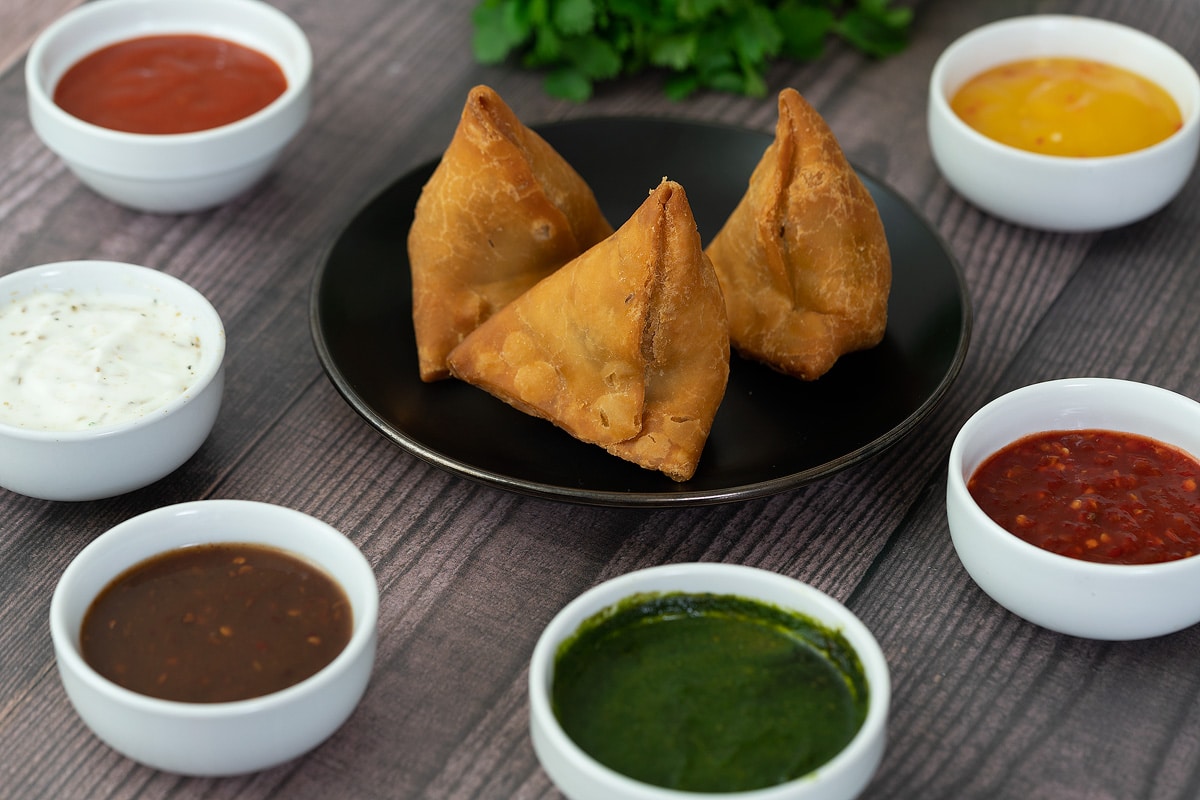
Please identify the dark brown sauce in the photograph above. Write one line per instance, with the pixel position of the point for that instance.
(215, 623)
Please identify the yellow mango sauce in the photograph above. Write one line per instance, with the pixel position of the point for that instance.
(1067, 107)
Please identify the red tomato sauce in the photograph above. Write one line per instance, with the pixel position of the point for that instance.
(169, 84)
(1096, 495)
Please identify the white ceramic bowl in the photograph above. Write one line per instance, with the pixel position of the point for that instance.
(1064, 594)
(108, 460)
(178, 172)
(1058, 193)
(580, 777)
(215, 738)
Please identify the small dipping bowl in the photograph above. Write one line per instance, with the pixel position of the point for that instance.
(169, 173)
(581, 777)
(110, 459)
(1065, 594)
(229, 738)
(1052, 192)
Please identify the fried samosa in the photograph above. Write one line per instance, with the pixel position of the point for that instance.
(501, 211)
(625, 347)
(803, 259)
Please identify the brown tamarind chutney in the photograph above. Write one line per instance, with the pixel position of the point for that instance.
(216, 623)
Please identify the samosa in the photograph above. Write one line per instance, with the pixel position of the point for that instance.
(803, 259)
(625, 347)
(501, 211)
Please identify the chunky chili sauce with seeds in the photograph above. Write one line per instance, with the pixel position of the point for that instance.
(215, 623)
(1096, 495)
(175, 83)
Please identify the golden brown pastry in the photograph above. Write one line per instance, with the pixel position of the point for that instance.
(625, 347)
(803, 259)
(501, 211)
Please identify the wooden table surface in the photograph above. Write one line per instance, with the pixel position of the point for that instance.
(985, 705)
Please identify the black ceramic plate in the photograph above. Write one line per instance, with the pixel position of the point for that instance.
(772, 433)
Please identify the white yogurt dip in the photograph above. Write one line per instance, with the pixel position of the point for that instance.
(73, 360)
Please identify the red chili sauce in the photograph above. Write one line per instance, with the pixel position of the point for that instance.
(1096, 495)
(169, 84)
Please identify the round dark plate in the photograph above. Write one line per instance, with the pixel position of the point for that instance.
(772, 433)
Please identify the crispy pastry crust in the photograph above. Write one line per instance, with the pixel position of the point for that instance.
(501, 211)
(625, 347)
(803, 259)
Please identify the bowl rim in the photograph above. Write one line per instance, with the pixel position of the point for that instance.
(606, 593)
(295, 90)
(66, 642)
(939, 103)
(985, 525)
(142, 277)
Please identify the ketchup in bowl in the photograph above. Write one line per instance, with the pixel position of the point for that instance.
(169, 84)
(1097, 495)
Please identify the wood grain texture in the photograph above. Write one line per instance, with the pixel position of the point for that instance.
(985, 705)
(22, 20)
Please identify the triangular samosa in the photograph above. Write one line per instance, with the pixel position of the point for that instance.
(803, 259)
(626, 346)
(501, 211)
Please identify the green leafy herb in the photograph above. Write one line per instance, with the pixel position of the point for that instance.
(721, 45)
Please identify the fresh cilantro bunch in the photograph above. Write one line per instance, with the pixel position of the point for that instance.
(723, 45)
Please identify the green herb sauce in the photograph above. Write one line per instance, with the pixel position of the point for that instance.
(708, 693)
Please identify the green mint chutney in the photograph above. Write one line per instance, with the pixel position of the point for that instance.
(708, 693)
